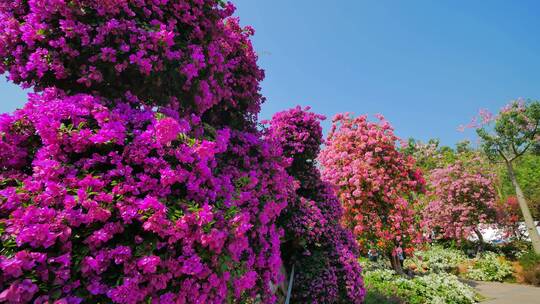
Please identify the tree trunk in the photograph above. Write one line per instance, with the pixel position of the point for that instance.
(529, 222)
(499, 192)
(396, 264)
(281, 289)
(480, 247)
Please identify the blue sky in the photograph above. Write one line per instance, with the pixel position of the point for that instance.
(428, 66)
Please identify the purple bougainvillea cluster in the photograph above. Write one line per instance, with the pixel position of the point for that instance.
(186, 53)
(325, 254)
(135, 172)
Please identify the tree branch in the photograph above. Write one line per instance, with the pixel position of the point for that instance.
(503, 156)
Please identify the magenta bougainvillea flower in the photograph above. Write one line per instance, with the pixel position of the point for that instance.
(323, 252)
(135, 172)
(164, 52)
(103, 203)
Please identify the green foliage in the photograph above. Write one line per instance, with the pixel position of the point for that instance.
(432, 288)
(514, 131)
(529, 260)
(436, 259)
(512, 250)
(374, 297)
(490, 267)
(532, 276)
(430, 155)
(527, 172)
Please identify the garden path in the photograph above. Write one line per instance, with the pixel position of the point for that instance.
(503, 293)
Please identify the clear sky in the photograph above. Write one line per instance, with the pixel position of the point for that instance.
(428, 66)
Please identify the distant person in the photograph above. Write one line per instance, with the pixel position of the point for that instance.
(373, 255)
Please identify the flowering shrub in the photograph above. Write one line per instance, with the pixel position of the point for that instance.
(136, 173)
(123, 204)
(436, 259)
(508, 218)
(376, 183)
(463, 199)
(437, 288)
(323, 252)
(530, 262)
(169, 52)
(489, 267)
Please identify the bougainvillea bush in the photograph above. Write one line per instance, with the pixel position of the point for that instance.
(164, 52)
(377, 184)
(322, 251)
(463, 199)
(122, 204)
(135, 173)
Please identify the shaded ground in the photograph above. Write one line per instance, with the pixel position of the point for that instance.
(503, 293)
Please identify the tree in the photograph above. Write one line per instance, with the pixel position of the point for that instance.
(323, 252)
(527, 172)
(509, 217)
(515, 130)
(433, 155)
(376, 183)
(462, 199)
(135, 173)
(426, 155)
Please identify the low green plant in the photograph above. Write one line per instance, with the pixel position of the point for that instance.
(368, 265)
(436, 259)
(374, 297)
(433, 288)
(515, 249)
(530, 261)
(490, 267)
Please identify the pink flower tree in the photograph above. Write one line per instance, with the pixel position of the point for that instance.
(463, 199)
(135, 173)
(323, 253)
(376, 183)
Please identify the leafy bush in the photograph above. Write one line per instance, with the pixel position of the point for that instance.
(431, 288)
(436, 259)
(374, 297)
(515, 249)
(532, 276)
(530, 261)
(373, 265)
(490, 267)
